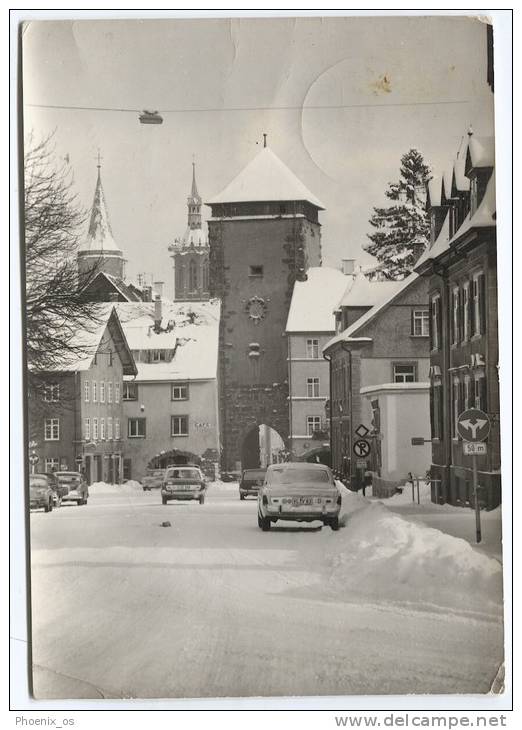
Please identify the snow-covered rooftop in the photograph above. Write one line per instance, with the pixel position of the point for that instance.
(435, 190)
(265, 178)
(314, 301)
(439, 246)
(365, 293)
(193, 332)
(393, 290)
(482, 151)
(99, 236)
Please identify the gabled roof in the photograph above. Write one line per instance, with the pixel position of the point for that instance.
(433, 197)
(116, 284)
(480, 152)
(99, 236)
(190, 331)
(350, 333)
(314, 300)
(365, 293)
(87, 340)
(265, 178)
(440, 245)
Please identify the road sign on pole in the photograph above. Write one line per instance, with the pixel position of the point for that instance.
(473, 427)
(362, 431)
(361, 448)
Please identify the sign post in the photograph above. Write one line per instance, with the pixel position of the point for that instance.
(473, 426)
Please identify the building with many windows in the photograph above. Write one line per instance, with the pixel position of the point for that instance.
(379, 366)
(170, 406)
(461, 266)
(310, 325)
(78, 425)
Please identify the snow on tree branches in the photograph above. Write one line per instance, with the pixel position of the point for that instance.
(402, 229)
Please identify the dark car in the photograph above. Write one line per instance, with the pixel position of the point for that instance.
(298, 492)
(230, 476)
(72, 481)
(41, 495)
(183, 483)
(251, 481)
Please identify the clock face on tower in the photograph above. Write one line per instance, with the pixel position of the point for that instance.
(256, 309)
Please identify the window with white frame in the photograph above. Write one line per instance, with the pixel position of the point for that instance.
(436, 321)
(94, 391)
(52, 429)
(109, 392)
(130, 391)
(478, 304)
(102, 391)
(94, 429)
(312, 387)
(313, 423)
(465, 311)
(420, 323)
(117, 392)
(86, 391)
(179, 425)
(455, 315)
(109, 428)
(52, 393)
(158, 356)
(179, 391)
(312, 349)
(117, 429)
(52, 463)
(102, 429)
(480, 391)
(87, 429)
(136, 428)
(404, 372)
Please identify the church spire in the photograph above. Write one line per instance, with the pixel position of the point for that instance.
(99, 236)
(194, 202)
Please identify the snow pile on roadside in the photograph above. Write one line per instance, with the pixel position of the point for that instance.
(383, 556)
(405, 497)
(130, 486)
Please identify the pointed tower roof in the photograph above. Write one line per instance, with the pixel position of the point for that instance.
(99, 235)
(265, 178)
(195, 196)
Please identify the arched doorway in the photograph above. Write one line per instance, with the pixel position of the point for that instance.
(262, 446)
(174, 456)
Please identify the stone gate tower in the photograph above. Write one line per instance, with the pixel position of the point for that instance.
(264, 234)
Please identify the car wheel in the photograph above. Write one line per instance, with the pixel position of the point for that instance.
(241, 497)
(46, 507)
(265, 524)
(202, 500)
(50, 506)
(259, 520)
(334, 523)
(164, 500)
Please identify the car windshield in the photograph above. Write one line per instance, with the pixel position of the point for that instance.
(254, 474)
(183, 474)
(38, 482)
(291, 476)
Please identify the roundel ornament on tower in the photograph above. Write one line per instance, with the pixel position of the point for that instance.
(256, 309)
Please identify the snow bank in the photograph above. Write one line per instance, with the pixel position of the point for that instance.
(219, 486)
(384, 556)
(130, 486)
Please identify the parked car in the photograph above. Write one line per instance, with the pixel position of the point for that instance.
(41, 495)
(77, 489)
(183, 482)
(153, 479)
(298, 492)
(251, 481)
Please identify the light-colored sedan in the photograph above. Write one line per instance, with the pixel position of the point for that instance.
(183, 483)
(153, 479)
(298, 492)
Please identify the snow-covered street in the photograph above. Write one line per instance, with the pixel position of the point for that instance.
(212, 606)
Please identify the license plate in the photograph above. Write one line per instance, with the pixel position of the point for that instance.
(297, 501)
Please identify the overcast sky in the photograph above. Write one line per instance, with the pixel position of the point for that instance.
(407, 82)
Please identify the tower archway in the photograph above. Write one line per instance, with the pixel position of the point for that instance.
(261, 446)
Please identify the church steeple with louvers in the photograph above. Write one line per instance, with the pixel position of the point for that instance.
(190, 252)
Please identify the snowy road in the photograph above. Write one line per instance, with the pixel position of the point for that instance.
(212, 607)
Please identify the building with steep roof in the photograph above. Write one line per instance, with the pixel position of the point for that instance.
(264, 235)
(461, 267)
(190, 252)
(99, 251)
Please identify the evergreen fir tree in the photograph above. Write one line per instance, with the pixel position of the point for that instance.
(402, 229)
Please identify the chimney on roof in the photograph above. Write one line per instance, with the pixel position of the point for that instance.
(158, 287)
(348, 266)
(158, 311)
